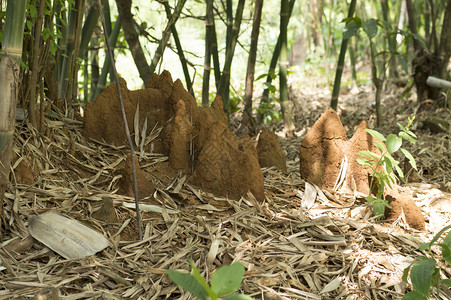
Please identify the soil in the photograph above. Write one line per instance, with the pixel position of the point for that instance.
(146, 187)
(269, 151)
(196, 139)
(326, 148)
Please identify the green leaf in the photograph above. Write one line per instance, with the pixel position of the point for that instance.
(364, 162)
(261, 76)
(410, 158)
(421, 275)
(407, 137)
(350, 30)
(365, 153)
(376, 134)
(405, 274)
(414, 295)
(200, 279)
(438, 235)
(227, 279)
(380, 146)
(393, 143)
(370, 199)
(189, 283)
(238, 297)
(379, 208)
(403, 63)
(370, 28)
(447, 282)
(400, 173)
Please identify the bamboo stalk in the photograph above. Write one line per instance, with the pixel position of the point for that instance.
(166, 35)
(225, 77)
(272, 69)
(283, 66)
(35, 68)
(340, 63)
(247, 120)
(178, 45)
(207, 56)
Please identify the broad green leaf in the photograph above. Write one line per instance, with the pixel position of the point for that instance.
(388, 164)
(380, 146)
(421, 275)
(410, 158)
(200, 279)
(438, 235)
(447, 282)
(407, 137)
(189, 283)
(365, 153)
(350, 30)
(364, 162)
(353, 20)
(393, 143)
(376, 134)
(370, 27)
(414, 295)
(238, 297)
(447, 240)
(227, 279)
(400, 173)
(411, 133)
(379, 208)
(261, 76)
(405, 274)
(370, 199)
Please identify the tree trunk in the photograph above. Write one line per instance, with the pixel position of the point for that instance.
(283, 65)
(247, 125)
(132, 37)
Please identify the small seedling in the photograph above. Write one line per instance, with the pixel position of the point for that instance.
(225, 280)
(424, 272)
(383, 165)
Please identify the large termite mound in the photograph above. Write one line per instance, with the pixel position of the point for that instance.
(196, 139)
(326, 150)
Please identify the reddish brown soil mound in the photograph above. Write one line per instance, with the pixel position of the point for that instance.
(324, 147)
(403, 203)
(145, 187)
(196, 139)
(321, 154)
(269, 151)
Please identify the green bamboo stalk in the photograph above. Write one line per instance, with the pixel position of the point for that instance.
(340, 63)
(9, 87)
(101, 84)
(166, 35)
(272, 69)
(178, 45)
(35, 68)
(66, 70)
(94, 58)
(207, 56)
(247, 120)
(283, 70)
(229, 37)
(89, 26)
(225, 77)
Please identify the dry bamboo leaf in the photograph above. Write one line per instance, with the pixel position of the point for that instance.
(136, 125)
(308, 200)
(143, 137)
(333, 285)
(148, 207)
(66, 237)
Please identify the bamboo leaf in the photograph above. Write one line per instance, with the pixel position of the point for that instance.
(136, 125)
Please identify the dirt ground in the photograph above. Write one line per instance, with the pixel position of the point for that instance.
(292, 244)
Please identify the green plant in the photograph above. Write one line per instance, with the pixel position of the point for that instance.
(225, 280)
(383, 165)
(424, 272)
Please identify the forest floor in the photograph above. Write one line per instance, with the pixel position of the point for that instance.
(334, 250)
